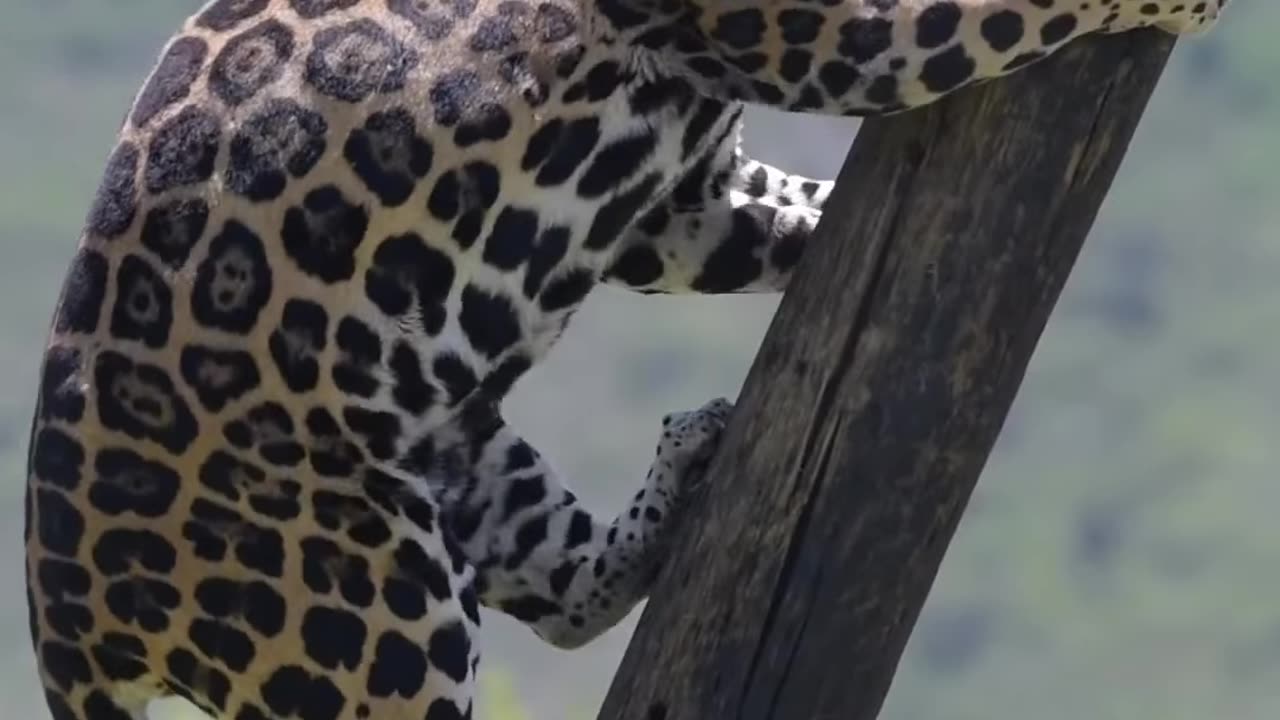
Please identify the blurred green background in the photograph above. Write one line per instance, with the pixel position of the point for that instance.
(1120, 557)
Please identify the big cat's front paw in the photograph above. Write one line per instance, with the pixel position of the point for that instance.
(689, 440)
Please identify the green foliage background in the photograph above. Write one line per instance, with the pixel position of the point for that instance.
(1119, 559)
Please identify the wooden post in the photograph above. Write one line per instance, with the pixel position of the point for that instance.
(878, 393)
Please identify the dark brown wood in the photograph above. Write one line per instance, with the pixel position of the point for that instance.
(878, 393)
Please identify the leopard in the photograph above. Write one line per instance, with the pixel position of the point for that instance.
(268, 468)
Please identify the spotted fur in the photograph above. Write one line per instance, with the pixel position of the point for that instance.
(268, 469)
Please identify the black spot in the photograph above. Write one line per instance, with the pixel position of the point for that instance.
(122, 657)
(361, 352)
(280, 141)
(361, 521)
(567, 290)
(268, 427)
(331, 454)
(60, 394)
(121, 551)
(66, 665)
(616, 162)
(261, 606)
(97, 704)
(251, 61)
(424, 16)
(551, 248)
(441, 709)
(512, 239)
(837, 77)
(637, 266)
(222, 642)
(947, 70)
(517, 70)
(379, 429)
(800, 27)
(356, 59)
(529, 536)
(323, 233)
(171, 80)
(519, 456)
(206, 680)
(223, 15)
(649, 97)
(127, 482)
(599, 83)
(707, 67)
(498, 31)
(700, 123)
(408, 275)
(326, 568)
(457, 377)
(297, 343)
(580, 530)
(1003, 30)
(470, 604)
(140, 401)
(388, 155)
(487, 122)
(562, 577)
(936, 24)
(116, 202)
(489, 321)
(183, 150)
(233, 282)
(56, 458)
(452, 94)
(615, 215)
(553, 23)
(411, 392)
(143, 308)
(523, 493)
(541, 142)
(311, 9)
(172, 229)
(566, 149)
(415, 574)
(861, 40)
(333, 638)
(449, 651)
(249, 711)
(884, 90)
(83, 293)
(740, 29)
(794, 65)
(500, 381)
(291, 692)
(465, 195)
(1058, 29)
(218, 376)
(213, 528)
(622, 14)
(228, 476)
(64, 585)
(277, 499)
(143, 601)
(399, 667)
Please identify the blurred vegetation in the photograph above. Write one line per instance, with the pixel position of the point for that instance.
(1119, 558)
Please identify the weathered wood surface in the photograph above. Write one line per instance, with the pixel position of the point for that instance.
(878, 393)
